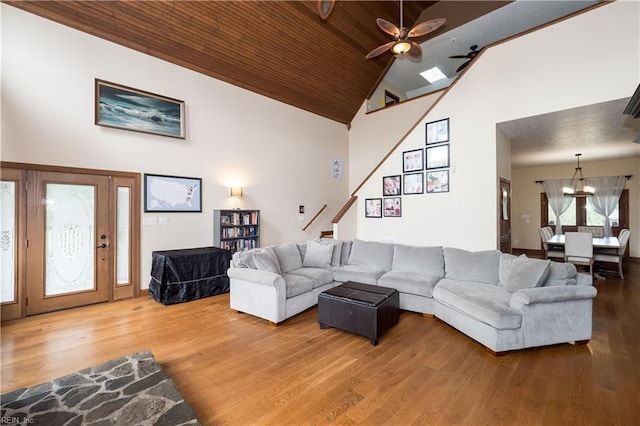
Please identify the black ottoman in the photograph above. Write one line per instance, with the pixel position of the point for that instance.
(363, 309)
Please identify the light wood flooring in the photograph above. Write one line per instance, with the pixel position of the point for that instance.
(235, 369)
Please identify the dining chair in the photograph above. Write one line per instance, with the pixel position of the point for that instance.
(618, 254)
(549, 251)
(596, 231)
(578, 249)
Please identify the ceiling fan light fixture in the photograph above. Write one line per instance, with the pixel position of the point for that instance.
(401, 47)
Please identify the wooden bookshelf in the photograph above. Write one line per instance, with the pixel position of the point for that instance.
(236, 230)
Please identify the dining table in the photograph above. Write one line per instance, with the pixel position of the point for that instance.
(598, 242)
(602, 244)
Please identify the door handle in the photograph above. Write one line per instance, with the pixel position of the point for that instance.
(103, 245)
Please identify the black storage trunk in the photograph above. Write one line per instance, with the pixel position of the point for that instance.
(362, 309)
(183, 275)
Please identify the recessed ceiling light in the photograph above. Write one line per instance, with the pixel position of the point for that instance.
(433, 74)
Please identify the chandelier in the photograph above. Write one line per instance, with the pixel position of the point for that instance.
(577, 187)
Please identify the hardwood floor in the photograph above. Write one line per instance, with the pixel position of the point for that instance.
(236, 369)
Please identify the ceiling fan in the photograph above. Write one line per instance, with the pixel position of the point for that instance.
(470, 56)
(401, 44)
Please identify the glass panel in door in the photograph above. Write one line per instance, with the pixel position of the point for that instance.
(123, 228)
(70, 245)
(8, 241)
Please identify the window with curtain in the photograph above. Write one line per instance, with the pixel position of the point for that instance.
(581, 213)
(596, 219)
(568, 218)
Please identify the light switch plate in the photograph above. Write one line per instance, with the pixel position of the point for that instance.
(149, 221)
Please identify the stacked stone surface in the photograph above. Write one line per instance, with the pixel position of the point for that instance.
(132, 390)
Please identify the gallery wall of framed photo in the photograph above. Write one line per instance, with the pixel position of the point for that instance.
(424, 171)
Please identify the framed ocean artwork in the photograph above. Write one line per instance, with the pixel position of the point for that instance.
(122, 107)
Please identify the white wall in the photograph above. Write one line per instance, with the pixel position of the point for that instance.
(526, 197)
(281, 155)
(552, 69)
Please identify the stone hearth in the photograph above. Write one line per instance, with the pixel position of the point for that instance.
(132, 390)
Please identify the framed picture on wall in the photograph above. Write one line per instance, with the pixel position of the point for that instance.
(122, 107)
(413, 161)
(393, 207)
(172, 194)
(437, 156)
(391, 185)
(373, 207)
(438, 131)
(413, 183)
(438, 181)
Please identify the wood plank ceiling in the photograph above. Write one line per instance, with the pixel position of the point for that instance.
(280, 49)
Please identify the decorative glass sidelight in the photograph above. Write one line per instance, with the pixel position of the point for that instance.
(123, 226)
(70, 238)
(8, 241)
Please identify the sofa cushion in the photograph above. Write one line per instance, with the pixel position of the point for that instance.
(561, 274)
(318, 276)
(288, 257)
(317, 255)
(410, 282)
(421, 260)
(266, 260)
(478, 266)
(357, 273)
(372, 254)
(297, 284)
(486, 303)
(526, 273)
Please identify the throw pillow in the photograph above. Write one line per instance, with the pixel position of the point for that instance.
(288, 257)
(506, 260)
(527, 273)
(243, 259)
(318, 255)
(337, 249)
(266, 260)
(561, 274)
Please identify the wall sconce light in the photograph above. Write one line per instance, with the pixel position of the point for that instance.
(236, 192)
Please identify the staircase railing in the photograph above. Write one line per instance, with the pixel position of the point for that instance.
(314, 218)
(345, 209)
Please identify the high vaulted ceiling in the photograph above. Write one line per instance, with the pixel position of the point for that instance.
(280, 49)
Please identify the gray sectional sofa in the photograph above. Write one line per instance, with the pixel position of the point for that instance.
(503, 301)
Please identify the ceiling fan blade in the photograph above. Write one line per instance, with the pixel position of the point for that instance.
(388, 27)
(463, 66)
(426, 27)
(415, 52)
(379, 50)
(458, 57)
(325, 7)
